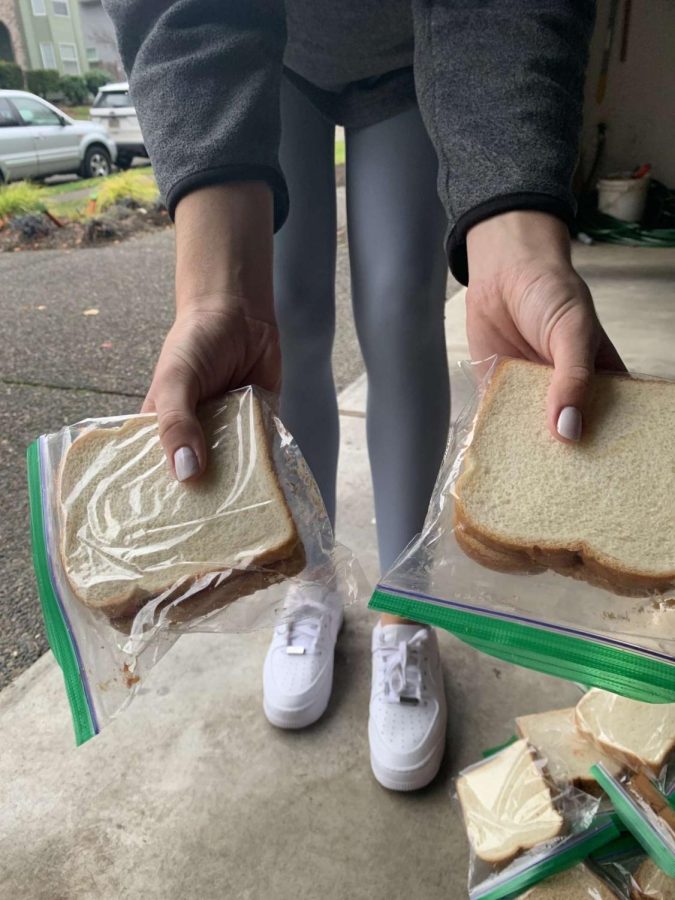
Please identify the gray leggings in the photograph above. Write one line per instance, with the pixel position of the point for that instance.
(395, 226)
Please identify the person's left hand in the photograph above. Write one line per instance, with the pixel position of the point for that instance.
(526, 301)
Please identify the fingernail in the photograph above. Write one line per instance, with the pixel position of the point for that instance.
(569, 423)
(185, 463)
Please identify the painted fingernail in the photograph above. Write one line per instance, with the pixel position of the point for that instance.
(569, 423)
(185, 463)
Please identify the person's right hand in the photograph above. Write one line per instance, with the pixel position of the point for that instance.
(225, 334)
(206, 353)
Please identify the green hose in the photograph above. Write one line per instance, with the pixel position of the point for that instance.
(657, 228)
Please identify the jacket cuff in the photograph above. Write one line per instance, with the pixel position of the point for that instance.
(224, 174)
(456, 242)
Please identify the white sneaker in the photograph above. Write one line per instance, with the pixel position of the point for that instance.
(408, 715)
(298, 671)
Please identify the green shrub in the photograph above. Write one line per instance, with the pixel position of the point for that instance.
(20, 198)
(126, 186)
(11, 76)
(74, 90)
(44, 82)
(96, 78)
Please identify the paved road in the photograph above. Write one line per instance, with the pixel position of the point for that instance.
(58, 365)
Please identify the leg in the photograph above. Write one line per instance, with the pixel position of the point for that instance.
(396, 226)
(298, 669)
(304, 285)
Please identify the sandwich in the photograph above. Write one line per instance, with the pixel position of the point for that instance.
(601, 510)
(130, 533)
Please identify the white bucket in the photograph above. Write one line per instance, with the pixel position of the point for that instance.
(623, 197)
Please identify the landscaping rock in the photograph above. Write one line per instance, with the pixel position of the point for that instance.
(31, 226)
(100, 229)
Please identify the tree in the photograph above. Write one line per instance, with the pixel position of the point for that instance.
(11, 76)
(96, 78)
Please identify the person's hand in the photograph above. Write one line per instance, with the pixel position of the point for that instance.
(526, 301)
(224, 335)
(206, 353)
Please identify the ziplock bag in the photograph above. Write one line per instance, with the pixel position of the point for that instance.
(522, 829)
(543, 620)
(645, 811)
(582, 882)
(634, 875)
(127, 558)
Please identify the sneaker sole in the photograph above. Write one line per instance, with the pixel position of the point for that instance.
(409, 779)
(293, 719)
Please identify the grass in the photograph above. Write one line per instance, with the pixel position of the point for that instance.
(76, 112)
(53, 190)
(131, 185)
(339, 153)
(23, 197)
(19, 199)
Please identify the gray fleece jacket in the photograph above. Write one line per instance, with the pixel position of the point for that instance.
(499, 84)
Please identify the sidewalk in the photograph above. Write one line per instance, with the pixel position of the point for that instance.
(191, 794)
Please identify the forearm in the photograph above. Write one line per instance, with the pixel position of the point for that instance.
(500, 86)
(507, 242)
(204, 78)
(224, 250)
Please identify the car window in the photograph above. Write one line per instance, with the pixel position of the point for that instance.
(112, 100)
(7, 117)
(33, 112)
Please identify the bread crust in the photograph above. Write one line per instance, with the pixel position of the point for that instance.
(283, 559)
(510, 854)
(577, 560)
(621, 754)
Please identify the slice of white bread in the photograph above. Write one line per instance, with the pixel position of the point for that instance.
(632, 732)
(578, 883)
(507, 804)
(131, 532)
(652, 883)
(601, 510)
(569, 754)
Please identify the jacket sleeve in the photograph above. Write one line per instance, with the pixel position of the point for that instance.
(204, 77)
(500, 87)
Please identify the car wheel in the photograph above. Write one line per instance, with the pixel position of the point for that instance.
(96, 163)
(124, 161)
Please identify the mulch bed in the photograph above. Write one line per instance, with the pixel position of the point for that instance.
(40, 232)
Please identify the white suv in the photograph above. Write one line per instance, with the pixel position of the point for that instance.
(114, 111)
(37, 139)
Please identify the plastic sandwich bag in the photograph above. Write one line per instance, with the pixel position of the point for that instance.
(645, 810)
(540, 619)
(521, 827)
(127, 558)
(583, 881)
(632, 874)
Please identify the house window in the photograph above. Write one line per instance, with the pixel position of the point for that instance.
(39, 8)
(60, 7)
(92, 54)
(71, 64)
(48, 56)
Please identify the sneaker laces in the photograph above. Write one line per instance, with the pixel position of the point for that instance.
(402, 669)
(303, 627)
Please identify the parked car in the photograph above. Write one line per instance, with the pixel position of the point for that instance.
(37, 139)
(115, 112)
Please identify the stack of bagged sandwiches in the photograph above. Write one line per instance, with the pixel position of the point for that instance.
(570, 782)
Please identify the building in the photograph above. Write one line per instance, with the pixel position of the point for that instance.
(43, 34)
(100, 43)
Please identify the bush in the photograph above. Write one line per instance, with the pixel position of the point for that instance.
(11, 76)
(44, 82)
(74, 90)
(126, 187)
(19, 198)
(96, 78)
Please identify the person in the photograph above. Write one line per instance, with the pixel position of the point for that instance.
(461, 119)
